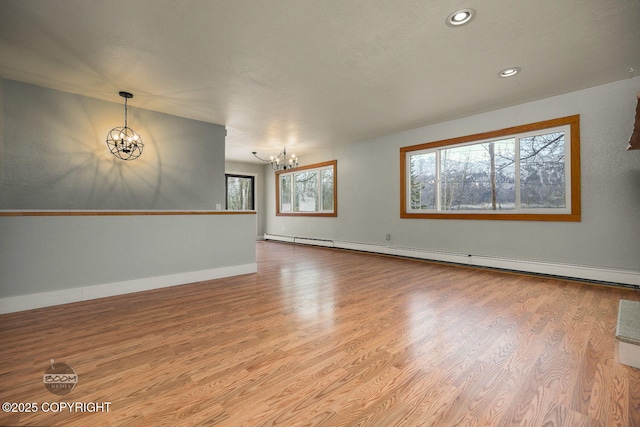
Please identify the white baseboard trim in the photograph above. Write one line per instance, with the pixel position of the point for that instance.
(65, 296)
(598, 274)
(315, 242)
(279, 238)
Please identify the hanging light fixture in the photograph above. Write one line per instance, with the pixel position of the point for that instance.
(279, 162)
(124, 142)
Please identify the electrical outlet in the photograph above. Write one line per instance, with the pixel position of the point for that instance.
(218, 206)
(388, 236)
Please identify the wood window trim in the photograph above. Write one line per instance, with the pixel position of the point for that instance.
(334, 164)
(573, 216)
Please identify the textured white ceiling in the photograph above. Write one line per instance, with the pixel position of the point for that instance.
(307, 74)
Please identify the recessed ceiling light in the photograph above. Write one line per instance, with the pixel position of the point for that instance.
(508, 72)
(461, 17)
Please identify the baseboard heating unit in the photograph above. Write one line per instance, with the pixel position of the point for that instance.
(624, 278)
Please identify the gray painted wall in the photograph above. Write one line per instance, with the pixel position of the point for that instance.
(50, 253)
(55, 156)
(608, 236)
(1, 141)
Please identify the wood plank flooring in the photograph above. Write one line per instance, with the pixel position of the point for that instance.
(332, 338)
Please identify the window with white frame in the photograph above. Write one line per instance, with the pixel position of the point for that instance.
(529, 172)
(308, 190)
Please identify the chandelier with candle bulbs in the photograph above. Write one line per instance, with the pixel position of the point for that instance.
(280, 162)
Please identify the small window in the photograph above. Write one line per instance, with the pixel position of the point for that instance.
(529, 172)
(240, 192)
(307, 191)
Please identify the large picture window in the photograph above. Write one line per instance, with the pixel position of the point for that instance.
(529, 172)
(308, 190)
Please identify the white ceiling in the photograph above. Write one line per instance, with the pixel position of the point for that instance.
(313, 73)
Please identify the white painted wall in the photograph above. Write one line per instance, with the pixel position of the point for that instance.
(608, 236)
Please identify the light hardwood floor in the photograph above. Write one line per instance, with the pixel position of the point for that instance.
(332, 338)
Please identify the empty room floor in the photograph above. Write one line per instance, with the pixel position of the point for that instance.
(330, 338)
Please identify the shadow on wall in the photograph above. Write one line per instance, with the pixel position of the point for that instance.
(58, 159)
(634, 179)
(56, 156)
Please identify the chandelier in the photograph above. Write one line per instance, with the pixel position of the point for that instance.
(280, 162)
(124, 142)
